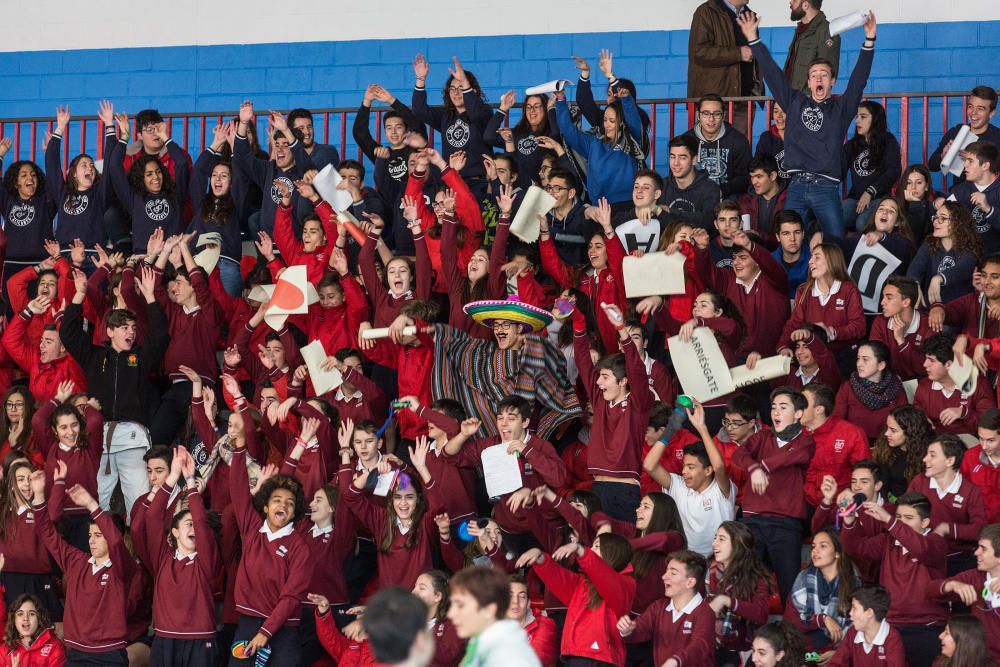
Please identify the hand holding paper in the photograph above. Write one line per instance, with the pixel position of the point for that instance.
(326, 182)
(525, 224)
(323, 381)
(848, 22)
(548, 87)
(952, 161)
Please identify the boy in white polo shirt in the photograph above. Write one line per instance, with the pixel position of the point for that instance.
(703, 493)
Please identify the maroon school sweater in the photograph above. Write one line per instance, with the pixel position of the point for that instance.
(193, 336)
(328, 550)
(786, 469)
(618, 431)
(842, 312)
(851, 653)
(910, 564)
(906, 359)
(932, 401)
(191, 615)
(839, 445)
(826, 515)
(690, 640)
(539, 463)
(400, 565)
(849, 407)
(457, 486)
(963, 511)
(368, 403)
(983, 610)
(96, 602)
(23, 549)
(273, 574)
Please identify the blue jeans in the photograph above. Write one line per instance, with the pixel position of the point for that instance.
(821, 196)
(232, 278)
(855, 220)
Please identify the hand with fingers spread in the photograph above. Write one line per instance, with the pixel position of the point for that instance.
(505, 200)
(605, 63)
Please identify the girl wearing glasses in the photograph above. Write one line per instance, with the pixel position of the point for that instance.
(15, 426)
(945, 262)
(529, 139)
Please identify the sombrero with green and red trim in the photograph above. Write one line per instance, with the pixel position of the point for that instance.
(512, 309)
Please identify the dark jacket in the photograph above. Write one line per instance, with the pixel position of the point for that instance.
(119, 380)
(987, 224)
(725, 159)
(694, 204)
(991, 134)
(714, 55)
(771, 143)
(569, 234)
(877, 180)
(812, 41)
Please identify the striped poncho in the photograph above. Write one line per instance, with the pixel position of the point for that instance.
(479, 375)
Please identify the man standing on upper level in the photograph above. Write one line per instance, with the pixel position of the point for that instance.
(812, 41)
(719, 58)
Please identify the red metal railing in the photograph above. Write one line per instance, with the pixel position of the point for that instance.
(667, 117)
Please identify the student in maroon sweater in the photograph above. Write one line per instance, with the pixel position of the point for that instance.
(194, 323)
(871, 641)
(777, 462)
(979, 588)
(274, 569)
(828, 298)
(912, 558)
(871, 392)
(901, 327)
(184, 559)
(683, 630)
(949, 407)
(96, 587)
(618, 390)
(432, 589)
(957, 509)
(26, 567)
(158, 461)
(537, 459)
(357, 398)
(404, 527)
(981, 464)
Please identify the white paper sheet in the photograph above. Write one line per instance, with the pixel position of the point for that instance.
(548, 87)
(536, 202)
(653, 274)
(966, 376)
(769, 368)
(500, 471)
(637, 236)
(290, 296)
(325, 183)
(952, 160)
(375, 334)
(869, 269)
(910, 387)
(323, 381)
(700, 366)
(385, 482)
(848, 22)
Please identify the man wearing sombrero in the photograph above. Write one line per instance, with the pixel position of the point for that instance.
(481, 373)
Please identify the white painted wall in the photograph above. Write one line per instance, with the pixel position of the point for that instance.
(72, 24)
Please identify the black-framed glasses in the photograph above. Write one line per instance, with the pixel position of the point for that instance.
(555, 188)
(15, 406)
(502, 325)
(711, 114)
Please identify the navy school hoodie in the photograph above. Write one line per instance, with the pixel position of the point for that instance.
(694, 204)
(725, 159)
(81, 215)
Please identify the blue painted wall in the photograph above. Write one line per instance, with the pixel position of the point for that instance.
(910, 58)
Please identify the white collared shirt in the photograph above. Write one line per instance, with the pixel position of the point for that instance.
(621, 400)
(403, 530)
(95, 568)
(937, 386)
(748, 286)
(912, 329)
(825, 298)
(341, 397)
(688, 608)
(955, 485)
(361, 468)
(878, 640)
(179, 556)
(278, 534)
(806, 379)
(316, 531)
(22, 509)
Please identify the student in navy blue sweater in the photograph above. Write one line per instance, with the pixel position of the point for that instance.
(27, 212)
(980, 191)
(81, 197)
(320, 155)
(538, 119)
(945, 262)
(219, 203)
(461, 122)
(147, 191)
(872, 159)
(817, 125)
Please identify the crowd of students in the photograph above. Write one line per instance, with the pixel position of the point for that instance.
(175, 491)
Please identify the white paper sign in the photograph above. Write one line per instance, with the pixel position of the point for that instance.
(700, 366)
(653, 274)
(292, 295)
(952, 160)
(869, 269)
(384, 484)
(848, 22)
(500, 471)
(637, 236)
(536, 202)
(769, 368)
(325, 183)
(323, 381)
(548, 87)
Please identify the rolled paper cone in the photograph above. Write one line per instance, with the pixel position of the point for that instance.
(355, 232)
(375, 334)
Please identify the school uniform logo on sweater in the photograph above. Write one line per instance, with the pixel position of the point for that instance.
(681, 205)
(76, 204)
(276, 193)
(812, 118)
(780, 159)
(527, 145)
(947, 262)
(21, 215)
(396, 168)
(980, 219)
(157, 210)
(863, 164)
(458, 133)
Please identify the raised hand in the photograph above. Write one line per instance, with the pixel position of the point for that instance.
(583, 66)
(870, 25)
(457, 160)
(147, 283)
(344, 434)
(5, 145)
(458, 73)
(420, 67)
(749, 23)
(285, 191)
(310, 426)
(77, 252)
(605, 63)
(39, 305)
(246, 112)
(59, 474)
(155, 243)
(410, 210)
(507, 101)
(338, 261)
(64, 390)
(62, 119)
(231, 356)
(106, 112)
(277, 119)
(81, 497)
(470, 427)
(79, 281)
(383, 95)
(505, 200)
(322, 604)
(529, 557)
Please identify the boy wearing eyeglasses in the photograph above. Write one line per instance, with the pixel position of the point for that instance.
(723, 152)
(566, 221)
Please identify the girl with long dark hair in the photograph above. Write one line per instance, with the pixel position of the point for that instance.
(778, 644)
(901, 448)
(29, 635)
(872, 159)
(944, 264)
(27, 209)
(916, 195)
(963, 643)
(538, 119)
(432, 588)
(15, 426)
